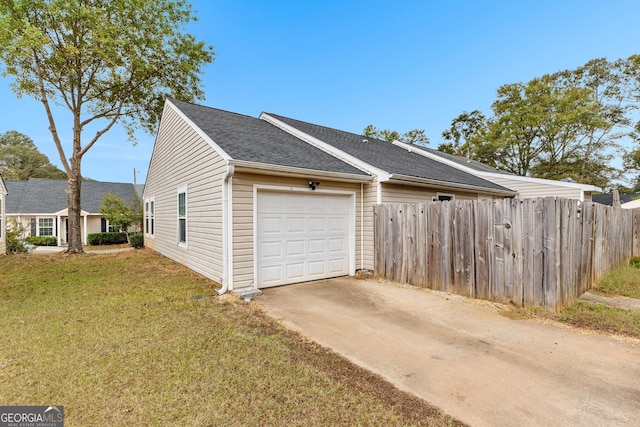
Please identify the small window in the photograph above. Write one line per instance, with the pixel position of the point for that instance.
(146, 217)
(149, 217)
(45, 226)
(182, 216)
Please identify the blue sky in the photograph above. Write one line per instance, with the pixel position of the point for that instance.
(346, 64)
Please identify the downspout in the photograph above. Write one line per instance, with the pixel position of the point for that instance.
(361, 226)
(227, 231)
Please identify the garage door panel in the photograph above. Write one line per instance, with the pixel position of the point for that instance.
(270, 225)
(317, 224)
(317, 268)
(271, 274)
(337, 245)
(301, 237)
(272, 250)
(295, 272)
(295, 224)
(317, 246)
(295, 248)
(337, 265)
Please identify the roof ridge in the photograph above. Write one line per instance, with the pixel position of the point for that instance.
(173, 100)
(330, 128)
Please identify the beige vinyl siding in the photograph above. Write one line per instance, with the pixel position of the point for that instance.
(528, 190)
(370, 199)
(398, 193)
(182, 158)
(94, 224)
(3, 223)
(243, 222)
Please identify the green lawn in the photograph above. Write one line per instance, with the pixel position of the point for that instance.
(623, 281)
(120, 340)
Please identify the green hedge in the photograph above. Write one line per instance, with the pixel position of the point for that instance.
(106, 238)
(136, 240)
(42, 240)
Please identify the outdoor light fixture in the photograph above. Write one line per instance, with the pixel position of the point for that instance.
(313, 185)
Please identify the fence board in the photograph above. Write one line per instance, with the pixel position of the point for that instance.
(528, 252)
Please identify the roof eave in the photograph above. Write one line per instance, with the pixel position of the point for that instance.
(291, 171)
(397, 178)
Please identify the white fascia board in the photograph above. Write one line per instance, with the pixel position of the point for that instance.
(484, 174)
(327, 148)
(246, 166)
(449, 185)
(3, 188)
(199, 131)
(63, 212)
(583, 187)
(414, 149)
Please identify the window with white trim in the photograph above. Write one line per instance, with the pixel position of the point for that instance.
(182, 216)
(45, 226)
(149, 216)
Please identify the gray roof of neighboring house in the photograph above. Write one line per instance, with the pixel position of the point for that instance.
(607, 198)
(473, 164)
(47, 196)
(389, 157)
(254, 140)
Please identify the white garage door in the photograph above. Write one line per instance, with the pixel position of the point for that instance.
(301, 237)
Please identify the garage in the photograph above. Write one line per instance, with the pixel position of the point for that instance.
(302, 236)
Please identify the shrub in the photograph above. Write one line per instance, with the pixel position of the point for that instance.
(635, 261)
(15, 230)
(136, 240)
(106, 238)
(42, 240)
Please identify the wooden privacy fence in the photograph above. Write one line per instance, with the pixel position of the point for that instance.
(522, 251)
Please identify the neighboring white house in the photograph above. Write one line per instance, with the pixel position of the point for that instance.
(3, 223)
(41, 205)
(525, 186)
(633, 204)
(258, 202)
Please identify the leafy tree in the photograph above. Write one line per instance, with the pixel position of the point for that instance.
(20, 159)
(414, 136)
(562, 125)
(106, 61)
(119, 213)
(466, 132)
(15, 232)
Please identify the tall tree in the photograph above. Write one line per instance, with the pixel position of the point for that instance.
(414, 136)
(106, 61)
(562, 125)
(20, 159)
(464, 135)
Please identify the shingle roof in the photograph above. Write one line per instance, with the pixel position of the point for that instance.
(254, 140)
(472, 164)
(389, 157)
(44, 196)
(607, 198)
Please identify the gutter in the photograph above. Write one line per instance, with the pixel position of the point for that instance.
(397, 178)
(278, 170)
(227, 230)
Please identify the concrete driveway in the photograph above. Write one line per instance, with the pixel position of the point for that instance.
(478, 366)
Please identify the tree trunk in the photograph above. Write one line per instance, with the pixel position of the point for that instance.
(74, 183)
